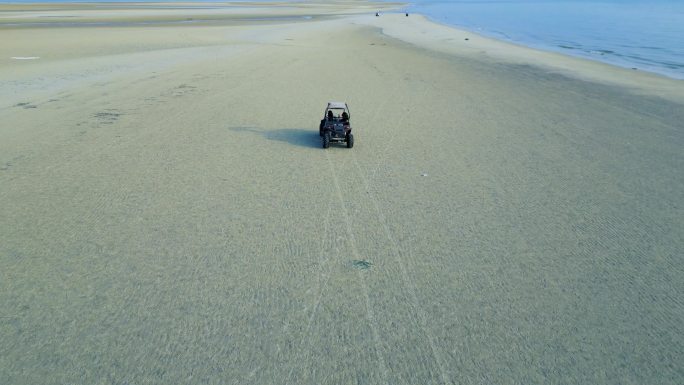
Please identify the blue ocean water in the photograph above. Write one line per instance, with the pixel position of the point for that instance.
(643, 34)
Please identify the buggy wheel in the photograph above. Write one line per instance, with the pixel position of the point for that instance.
(350, 140)
(320, 128)
(326, 140)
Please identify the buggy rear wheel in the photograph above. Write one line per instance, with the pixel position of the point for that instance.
(350, 140)
(326, 140)
(320, 128)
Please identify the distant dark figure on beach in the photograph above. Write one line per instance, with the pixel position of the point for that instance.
(406, 14)
(377, 14)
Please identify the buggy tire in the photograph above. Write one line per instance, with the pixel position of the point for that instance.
(326, 140)
(320, 128)
(350, 140)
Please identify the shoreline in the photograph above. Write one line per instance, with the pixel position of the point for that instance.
(558, 49)
(204, 14)
(562, 45)
(447, 38)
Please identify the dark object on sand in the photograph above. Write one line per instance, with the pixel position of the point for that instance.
(406, 14)
(467, 39)
(335, 125)
(362, 264)
(377, 14)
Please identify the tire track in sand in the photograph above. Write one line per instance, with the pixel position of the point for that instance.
(405, 276)
(305, 342)
(352, 243)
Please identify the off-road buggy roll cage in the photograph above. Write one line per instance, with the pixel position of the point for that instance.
(335, 126)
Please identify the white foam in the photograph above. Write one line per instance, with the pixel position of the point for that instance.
(25, 57)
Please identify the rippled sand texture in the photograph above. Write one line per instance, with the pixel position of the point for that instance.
(167, 214)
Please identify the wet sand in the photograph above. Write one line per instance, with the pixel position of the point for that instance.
(169, 216)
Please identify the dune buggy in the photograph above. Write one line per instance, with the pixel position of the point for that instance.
(335, 125)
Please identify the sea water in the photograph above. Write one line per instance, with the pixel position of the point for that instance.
(641, 34)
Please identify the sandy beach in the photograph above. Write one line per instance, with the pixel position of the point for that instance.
(168, 216)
